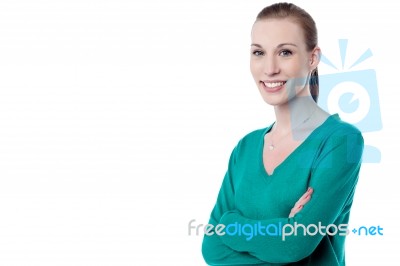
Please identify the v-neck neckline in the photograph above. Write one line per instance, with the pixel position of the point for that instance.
(296, 150)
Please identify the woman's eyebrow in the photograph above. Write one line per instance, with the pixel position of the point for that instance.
(257, 45)
(279, 45)
(288, 43)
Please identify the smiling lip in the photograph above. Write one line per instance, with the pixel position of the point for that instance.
(272, 86)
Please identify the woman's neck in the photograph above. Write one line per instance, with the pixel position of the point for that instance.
(291, 115)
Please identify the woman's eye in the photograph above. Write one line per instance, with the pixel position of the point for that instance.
(258, 53)
(285, 53)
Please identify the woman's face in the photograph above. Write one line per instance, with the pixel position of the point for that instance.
(280, 63)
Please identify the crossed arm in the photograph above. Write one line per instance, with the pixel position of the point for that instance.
(222, 254)
(335, 173)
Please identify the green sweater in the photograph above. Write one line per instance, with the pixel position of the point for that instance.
(254, 206)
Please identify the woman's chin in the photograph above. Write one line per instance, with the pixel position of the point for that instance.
(274, 102)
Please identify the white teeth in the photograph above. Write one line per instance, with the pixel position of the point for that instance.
(273, 84)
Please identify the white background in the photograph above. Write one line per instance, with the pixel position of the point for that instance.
(117, 119)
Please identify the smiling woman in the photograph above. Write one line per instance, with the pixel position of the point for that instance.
(301, 170)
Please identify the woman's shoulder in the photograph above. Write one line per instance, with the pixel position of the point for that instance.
(254, 138)
(257, 133)
(336, 126)
(337, 132)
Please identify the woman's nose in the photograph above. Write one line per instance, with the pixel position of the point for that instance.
(271, 67)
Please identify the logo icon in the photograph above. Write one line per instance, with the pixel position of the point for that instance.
(354, 96)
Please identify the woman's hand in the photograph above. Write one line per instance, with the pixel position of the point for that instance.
(301, 202)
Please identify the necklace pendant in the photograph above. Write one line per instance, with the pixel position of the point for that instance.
(271, 147)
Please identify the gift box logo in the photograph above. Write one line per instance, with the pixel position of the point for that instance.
(354, 96)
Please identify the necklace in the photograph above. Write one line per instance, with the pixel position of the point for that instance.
(272, 146)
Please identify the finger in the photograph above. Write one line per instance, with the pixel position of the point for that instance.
(305, 195)
(303, 200)
(295, 210)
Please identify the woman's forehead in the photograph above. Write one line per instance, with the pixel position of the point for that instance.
(276, 31)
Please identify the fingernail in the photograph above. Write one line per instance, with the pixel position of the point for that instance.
(309, 189)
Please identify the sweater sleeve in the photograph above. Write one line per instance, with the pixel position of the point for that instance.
(214, 251)
(333, 177)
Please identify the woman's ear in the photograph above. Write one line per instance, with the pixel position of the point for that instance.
(315, 58)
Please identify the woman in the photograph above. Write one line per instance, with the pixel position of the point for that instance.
(298, 173)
